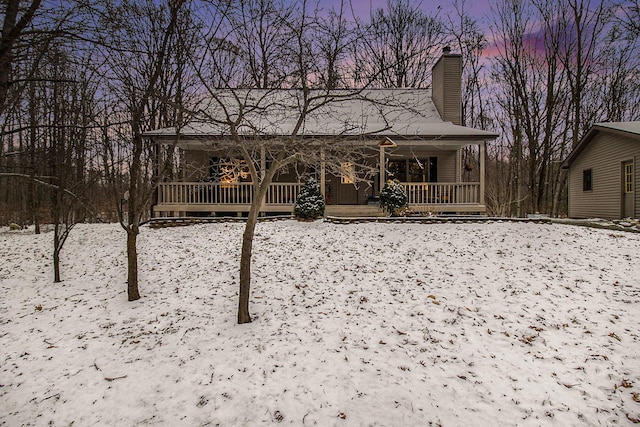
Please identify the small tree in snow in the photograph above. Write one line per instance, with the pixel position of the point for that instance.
(393, 197)
(310, 203)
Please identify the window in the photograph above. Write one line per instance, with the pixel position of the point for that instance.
(397, 170)
(347, 173)
(228, 171)
(414, 170)
(587, 180)
(628, 178)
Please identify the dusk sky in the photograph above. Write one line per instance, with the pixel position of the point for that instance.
(477, 8)
(480, 10)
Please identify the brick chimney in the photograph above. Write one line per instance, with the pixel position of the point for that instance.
(446, 86)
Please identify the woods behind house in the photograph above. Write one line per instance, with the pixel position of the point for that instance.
(81, 81)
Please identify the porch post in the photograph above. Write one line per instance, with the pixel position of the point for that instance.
(263, 163)
(263, 173)
(382, 180)
(183, 161)
(155, 178)
(386, 142)
(481, 158)
(323, 187)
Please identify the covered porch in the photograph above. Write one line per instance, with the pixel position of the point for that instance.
(431, 174)
(181, 198)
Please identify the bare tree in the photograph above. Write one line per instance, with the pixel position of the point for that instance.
(13, 25)
(561, 65)
(398, 46)
(139, 38)
(467, 37)
(254, 31)
(534, 92)
(628, 16)
(45, 107)
(333, 37)
(266, 127)
(583, 22)
(30, 31)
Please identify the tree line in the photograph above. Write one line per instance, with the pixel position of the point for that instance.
(82, 81)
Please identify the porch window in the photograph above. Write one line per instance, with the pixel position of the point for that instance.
(628, 178)
(347, 173)
(587, 180)
(414, 170)
(228, 171)
(398, 170)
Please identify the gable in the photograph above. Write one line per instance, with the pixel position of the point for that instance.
(629, 130)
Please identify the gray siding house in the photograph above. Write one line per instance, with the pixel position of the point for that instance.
(602, 181)
(415, 136)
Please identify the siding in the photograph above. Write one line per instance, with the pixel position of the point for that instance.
(446, 89)
(636, 184)
(447, 170)
(604, 156)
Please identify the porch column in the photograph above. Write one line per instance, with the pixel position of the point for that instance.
(263, 173)
(263, 163)
(183, 161)
(323, 187)
(386, 142)
(382, 160)
(155, 178)
(481, 158)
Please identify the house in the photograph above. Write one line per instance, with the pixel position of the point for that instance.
(415, 136)
(602, 181)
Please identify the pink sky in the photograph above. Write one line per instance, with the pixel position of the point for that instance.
(479, 10)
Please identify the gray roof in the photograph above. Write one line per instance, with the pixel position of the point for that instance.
(630, 127)
(404, 113)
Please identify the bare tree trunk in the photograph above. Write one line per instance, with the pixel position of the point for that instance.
(245, 268)
(247, 251)
(132, 264)
(56, 253)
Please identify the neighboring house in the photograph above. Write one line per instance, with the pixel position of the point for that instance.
(415, 136)
(602, 178)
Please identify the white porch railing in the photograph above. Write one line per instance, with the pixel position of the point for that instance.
(437, 193)
(210, 193)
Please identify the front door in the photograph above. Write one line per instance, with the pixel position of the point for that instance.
(628, 192)
(347, 193)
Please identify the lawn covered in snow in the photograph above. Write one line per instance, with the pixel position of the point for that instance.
(363, 324)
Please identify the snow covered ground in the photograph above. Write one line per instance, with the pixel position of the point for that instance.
(365, 324)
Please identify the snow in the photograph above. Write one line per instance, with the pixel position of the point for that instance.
(376, 324)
